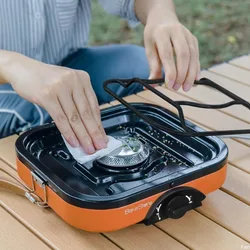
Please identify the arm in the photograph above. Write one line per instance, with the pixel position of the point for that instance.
(66, 94)
(4, 58)
(155, 8)
(165, 37)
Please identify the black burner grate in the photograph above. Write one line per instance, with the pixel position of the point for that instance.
(187, 131)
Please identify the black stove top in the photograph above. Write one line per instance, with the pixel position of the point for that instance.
(166, 159)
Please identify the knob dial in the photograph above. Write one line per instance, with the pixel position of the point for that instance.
(174, 204)
(178, 206)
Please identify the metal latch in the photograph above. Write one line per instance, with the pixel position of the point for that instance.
(31, 194)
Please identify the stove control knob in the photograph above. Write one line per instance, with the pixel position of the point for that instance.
(178, 206)
(174, 204)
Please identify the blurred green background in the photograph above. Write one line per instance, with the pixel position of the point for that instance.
(221, 26)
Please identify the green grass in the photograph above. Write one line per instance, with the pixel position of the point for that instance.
(222, 28)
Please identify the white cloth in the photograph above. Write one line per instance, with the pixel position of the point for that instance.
(80, 156)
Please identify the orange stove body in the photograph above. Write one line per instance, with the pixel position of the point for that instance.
(107, 220)
(175, 177)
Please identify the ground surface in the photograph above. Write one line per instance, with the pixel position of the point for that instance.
(222, 28)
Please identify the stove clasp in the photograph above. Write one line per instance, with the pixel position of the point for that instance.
(174, 204)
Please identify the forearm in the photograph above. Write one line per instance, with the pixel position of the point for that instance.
(157, 9)
(13, 65)
(6, 59)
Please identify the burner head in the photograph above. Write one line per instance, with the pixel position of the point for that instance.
(133, 152)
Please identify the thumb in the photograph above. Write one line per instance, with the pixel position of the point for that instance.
(154, 66)
(154, 63)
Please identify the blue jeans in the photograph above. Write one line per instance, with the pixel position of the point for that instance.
(101, 63)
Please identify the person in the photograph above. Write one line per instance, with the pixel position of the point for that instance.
(48, 71)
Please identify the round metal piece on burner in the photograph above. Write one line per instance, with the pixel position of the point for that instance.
(133, 152)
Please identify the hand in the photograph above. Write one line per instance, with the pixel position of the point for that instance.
(68, 97)
(164, 39)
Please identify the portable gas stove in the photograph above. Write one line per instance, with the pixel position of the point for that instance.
(162, 171)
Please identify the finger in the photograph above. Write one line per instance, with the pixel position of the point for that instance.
(166, 54)
(93, 102)
(153, 60)
(52, 105)
(198, 58)
(154, 85)
(182, 57)
(192, 70)
(74, 118)
(87, 116)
